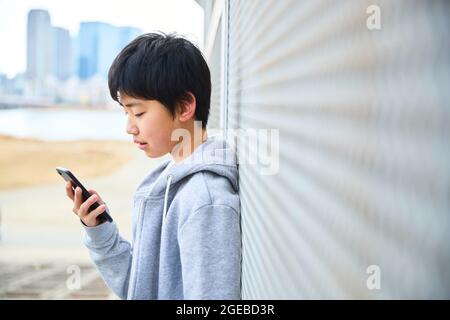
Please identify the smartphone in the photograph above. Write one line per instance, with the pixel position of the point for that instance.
(69, 176)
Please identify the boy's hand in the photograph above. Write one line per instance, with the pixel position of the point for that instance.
(81, 208)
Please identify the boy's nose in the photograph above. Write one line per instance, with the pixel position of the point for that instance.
(132, 129)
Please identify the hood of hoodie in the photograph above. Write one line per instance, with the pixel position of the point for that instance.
(213, 155)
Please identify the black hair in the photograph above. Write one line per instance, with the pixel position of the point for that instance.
(161, 67)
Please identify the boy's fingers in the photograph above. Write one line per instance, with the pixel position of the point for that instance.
(91, 218)
(92, 191)
(77, 201)
(84, 208)
(69, 190)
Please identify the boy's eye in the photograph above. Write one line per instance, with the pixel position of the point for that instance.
(139, 114)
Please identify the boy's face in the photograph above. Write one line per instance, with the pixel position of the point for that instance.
(151, 125)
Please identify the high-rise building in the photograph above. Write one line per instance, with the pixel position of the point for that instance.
(108, 37)
(62, 53)
(99, 43)
(87, 49)
(126, 34)
(39, 45)
(75, 41)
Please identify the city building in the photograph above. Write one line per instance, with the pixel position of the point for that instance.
(39, 45)
(99, 43)
(63, 53)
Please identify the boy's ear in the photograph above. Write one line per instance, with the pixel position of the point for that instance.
(186, 108)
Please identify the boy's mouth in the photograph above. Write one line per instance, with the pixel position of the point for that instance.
(141, 145)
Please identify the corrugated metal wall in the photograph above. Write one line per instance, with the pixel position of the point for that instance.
(216, 83)
(364, 154)
(214, 49)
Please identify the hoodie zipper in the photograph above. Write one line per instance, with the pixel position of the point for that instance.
(166, 198)
(136, 248)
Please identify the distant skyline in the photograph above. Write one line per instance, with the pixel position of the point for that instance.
(182, 16)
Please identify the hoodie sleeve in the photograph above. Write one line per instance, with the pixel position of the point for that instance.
(111, 254)
(210, 249)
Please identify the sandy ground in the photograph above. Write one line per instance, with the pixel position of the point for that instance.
(29, 162)
(37, 223)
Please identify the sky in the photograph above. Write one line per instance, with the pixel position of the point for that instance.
(181, 16)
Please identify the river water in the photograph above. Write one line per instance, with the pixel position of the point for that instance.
(64, 125)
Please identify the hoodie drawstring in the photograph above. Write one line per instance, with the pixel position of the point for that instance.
(166, 196)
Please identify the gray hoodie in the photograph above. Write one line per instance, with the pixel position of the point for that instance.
(186, 232)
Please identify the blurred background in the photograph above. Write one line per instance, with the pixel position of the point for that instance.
(55, 110)
(358, 206)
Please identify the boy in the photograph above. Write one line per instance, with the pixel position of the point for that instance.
(186, 213)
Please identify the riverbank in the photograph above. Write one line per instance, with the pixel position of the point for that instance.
(37, 224)
(30, 162)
